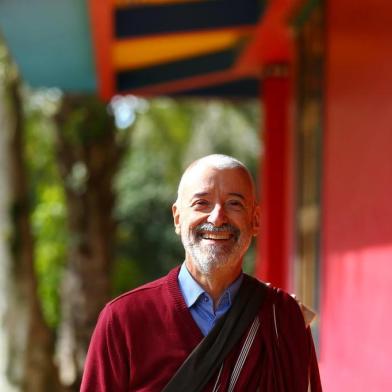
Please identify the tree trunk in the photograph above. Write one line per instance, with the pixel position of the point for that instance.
(6, 122)
(30, 365)
(88, 157)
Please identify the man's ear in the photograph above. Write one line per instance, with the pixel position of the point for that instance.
(256, 220)
(176, 218)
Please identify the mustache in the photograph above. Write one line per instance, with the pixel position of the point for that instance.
(217, 229)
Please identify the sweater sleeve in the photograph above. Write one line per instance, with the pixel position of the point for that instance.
(296, 361)
(107, 363)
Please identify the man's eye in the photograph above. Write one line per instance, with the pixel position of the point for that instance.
(201, 203)
(235, 203)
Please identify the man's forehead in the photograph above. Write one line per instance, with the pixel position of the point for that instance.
(201, 179)
(206, 193)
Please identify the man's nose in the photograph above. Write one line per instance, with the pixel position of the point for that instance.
(217, 216)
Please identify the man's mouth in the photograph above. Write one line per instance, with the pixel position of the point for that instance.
(207, 231)
(216, 236)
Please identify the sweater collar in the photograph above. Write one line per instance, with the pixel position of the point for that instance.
(191, 290)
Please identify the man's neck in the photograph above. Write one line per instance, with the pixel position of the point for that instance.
(217, 281)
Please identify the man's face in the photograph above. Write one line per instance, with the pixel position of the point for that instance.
(216, 216)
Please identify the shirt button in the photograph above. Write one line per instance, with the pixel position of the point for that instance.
(206, 299)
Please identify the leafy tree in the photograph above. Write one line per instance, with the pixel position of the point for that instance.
(47, 198)
(29, 364)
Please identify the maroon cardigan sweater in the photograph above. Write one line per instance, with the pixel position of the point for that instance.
(143, 336)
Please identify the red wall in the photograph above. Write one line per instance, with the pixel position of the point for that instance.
(356, 312)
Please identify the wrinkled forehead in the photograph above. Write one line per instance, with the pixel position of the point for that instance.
(199, 177)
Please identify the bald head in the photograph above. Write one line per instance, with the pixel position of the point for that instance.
(216, 214)
(215, 161)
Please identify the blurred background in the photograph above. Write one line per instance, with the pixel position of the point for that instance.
(103, 103)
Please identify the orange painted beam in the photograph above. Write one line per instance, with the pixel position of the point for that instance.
(273, 39)
(188, 83)
(102, 29)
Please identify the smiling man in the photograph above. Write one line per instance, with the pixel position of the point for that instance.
(206, 326)
(216, 216)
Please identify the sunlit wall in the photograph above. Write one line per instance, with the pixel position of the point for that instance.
(356, 347)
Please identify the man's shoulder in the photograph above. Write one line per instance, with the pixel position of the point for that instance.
(283, 304)
(145, 289)
(292, 306)
(154, 291)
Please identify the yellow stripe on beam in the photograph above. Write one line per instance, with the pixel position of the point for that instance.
(152, 50)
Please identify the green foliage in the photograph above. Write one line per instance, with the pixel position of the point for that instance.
(81, 111)
(146, 188)
(51, 241)
(165, 138)
(47, 199)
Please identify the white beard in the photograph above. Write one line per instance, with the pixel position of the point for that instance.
(209, 257)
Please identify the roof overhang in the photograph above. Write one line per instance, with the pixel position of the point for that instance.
(149, 47)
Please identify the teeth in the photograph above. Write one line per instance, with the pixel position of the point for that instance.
(216, 236)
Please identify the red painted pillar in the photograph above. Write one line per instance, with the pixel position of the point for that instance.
(275, 238)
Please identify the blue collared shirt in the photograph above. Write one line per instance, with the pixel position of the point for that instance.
(201, 304)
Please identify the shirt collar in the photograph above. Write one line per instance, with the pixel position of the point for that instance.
(191, 290)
